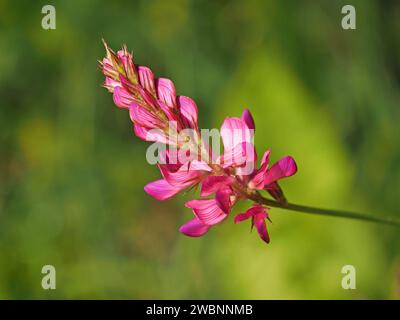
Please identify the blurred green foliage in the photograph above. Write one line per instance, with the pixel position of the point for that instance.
(72, 173)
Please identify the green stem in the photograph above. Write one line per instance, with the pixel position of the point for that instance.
(327, 212)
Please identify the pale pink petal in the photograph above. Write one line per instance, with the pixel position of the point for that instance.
(161, 189)
(194, 228)
(111, 84)
(199, 165)
(154, 135)
(234, 131)
(239, 155)
(146, 79)
(188, 110)
(166, 91)
(212, 184)
(285, 167)
(248, 119)
(207, 211)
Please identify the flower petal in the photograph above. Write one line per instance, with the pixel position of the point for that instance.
(143, 117)
(212, 184)
(154, 135)
(188, 110)
(122, 98)
(182, 178)
(194, 228)
(161, 189)
(146, 79)
(223, 199)
(242, 217)
(261, 226)
(285, 167)
(166, 91)
(248, 119)
(257, 181)
(207, 211)
(242, 154)
(199, 165)
(234, 131)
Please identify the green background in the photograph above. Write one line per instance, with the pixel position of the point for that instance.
(72, 172)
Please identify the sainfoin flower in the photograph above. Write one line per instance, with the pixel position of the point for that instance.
(159, 115)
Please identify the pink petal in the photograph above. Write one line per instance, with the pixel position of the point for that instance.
(285, 167)
(161, 189)
(257, 182)
(122, 98)
(154, 135)
(242, 217)
(182, 178)
(212, 184)
(166, 91)
(234, 131)
(207, 211)
(194, 228)
(239, 155)
(261, 226)
(248, 119)
(110, 84)
(223, 199)
(254, 210)
(143, 117)
(199, 165)
(188, 110)
(146, 79)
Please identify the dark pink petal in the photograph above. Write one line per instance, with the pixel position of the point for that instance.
(257, 209)
(146, 79)
(285, 167)
(261, 226)
(143, 117)
(166, 91)
(223, 199)
(161, 189)
(276, 192)
(122, 98)
(248, 119)
(254, 210)
(208, 211)
(257, 181)
(194, 228)
(188, 110)
(212, 184)
(234, 131)
(242, 217)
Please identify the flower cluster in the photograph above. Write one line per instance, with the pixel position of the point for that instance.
(159, 115)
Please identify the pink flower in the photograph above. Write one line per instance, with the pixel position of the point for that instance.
(258, 214)
(159, 115)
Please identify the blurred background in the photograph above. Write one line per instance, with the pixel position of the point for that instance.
(72, 172)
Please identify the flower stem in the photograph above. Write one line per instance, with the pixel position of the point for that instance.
(328, 212)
